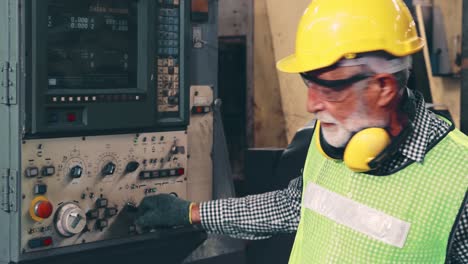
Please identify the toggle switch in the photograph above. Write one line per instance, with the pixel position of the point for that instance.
(109, 212)
(48, 171)
(101, 203)
(101, 223)
(92, 214)
(31, 172)
(40, 188)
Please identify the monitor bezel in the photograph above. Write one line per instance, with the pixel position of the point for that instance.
(36, 83)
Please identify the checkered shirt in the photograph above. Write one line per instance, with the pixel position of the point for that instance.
(261, 216)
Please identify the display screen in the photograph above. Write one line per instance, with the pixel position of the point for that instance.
(92, 44)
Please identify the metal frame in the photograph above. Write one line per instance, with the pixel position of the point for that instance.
(464, 72)
(250, 76)
(9, 132)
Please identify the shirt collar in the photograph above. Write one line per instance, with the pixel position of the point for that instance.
(415, 146)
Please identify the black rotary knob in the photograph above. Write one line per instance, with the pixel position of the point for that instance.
(76, 171)
(132, 166)
(108, 169)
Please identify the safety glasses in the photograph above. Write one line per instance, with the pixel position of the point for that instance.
(332, 90)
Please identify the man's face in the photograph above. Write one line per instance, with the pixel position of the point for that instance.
(345, 109)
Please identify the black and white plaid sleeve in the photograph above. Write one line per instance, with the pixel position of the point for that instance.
(255, 216)
(459, 250)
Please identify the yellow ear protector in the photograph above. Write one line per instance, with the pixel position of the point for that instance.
(366, 150)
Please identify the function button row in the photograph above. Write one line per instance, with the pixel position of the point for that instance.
(96, 98)
(33, 171)
(154, 174)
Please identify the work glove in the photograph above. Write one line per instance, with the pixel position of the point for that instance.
(163, 210)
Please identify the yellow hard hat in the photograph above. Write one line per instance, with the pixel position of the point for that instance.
(334, 29)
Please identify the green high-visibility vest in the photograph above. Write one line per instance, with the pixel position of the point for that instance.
(405, 217)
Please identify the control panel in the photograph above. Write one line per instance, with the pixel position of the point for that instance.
(86, 189)
(168, 58)
(100, 63)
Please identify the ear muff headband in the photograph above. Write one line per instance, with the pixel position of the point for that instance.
(317, 141)
(326, 149)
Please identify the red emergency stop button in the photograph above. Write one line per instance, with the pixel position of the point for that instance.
(43, 209)
(40, 208)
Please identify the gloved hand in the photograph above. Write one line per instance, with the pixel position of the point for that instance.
(163, 210)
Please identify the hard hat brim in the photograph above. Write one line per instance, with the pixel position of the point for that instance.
(289, 64)
(292, 64)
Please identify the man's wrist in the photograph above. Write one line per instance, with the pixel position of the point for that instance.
(195, 214)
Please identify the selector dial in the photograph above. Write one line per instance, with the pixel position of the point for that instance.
(75, 168)
(76, 171)
(70, 220)
(108, 165)
(132, 166)
(108, 169)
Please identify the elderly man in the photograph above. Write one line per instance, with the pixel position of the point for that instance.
(385, 179)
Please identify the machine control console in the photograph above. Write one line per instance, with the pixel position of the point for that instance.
(87, 189)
